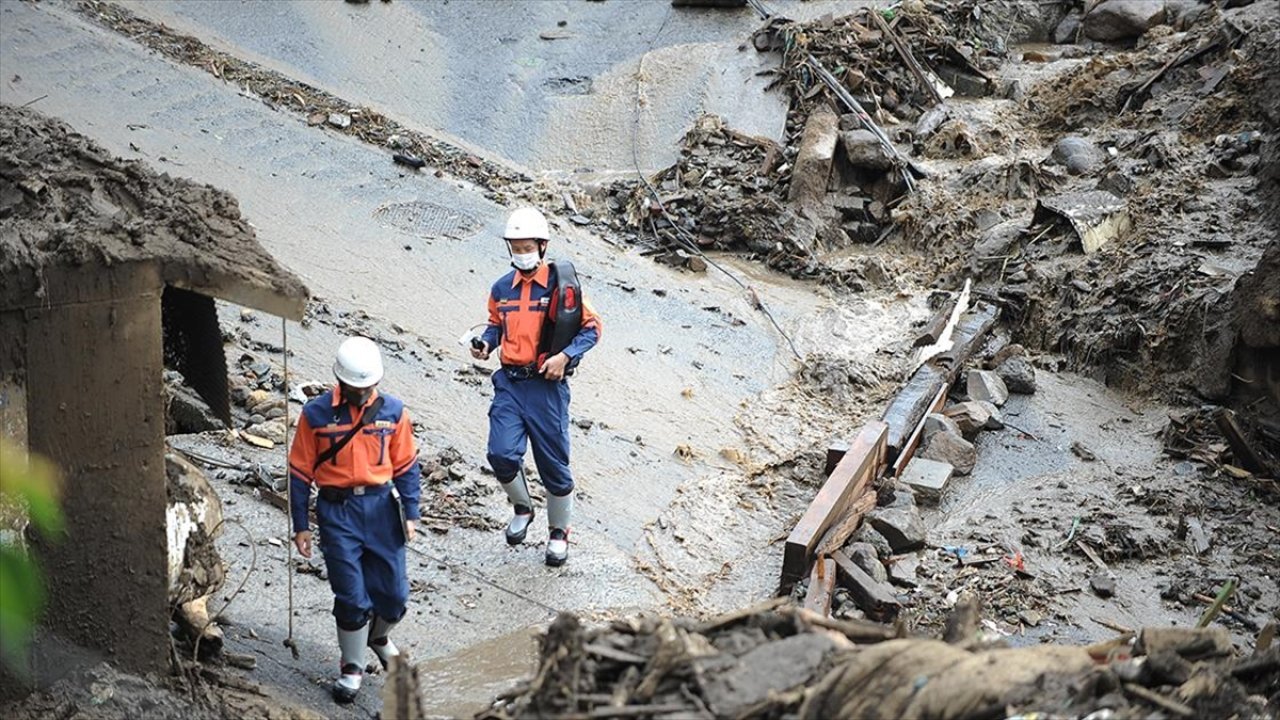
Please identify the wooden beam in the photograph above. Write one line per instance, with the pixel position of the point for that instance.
(874, 598)
(913, 442)
(822, 583)
(835, 538)
(852, 476)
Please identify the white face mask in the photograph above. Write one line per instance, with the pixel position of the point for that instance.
(525, 261)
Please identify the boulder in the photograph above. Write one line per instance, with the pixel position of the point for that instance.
(812, 170)
(1122, 19)
(902, 527)
(1018, 375)
(869, 535)
(986, 385)
(952, 449)
(970, 416)
(863, 150)
(1078, 155)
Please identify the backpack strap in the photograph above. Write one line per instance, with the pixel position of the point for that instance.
(332, 451)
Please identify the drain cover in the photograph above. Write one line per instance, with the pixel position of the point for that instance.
(426, 219)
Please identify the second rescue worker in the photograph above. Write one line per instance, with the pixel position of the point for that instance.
(530, 394)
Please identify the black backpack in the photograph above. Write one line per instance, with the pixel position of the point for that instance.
(564, 313)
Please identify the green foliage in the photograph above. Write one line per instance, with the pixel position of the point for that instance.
(30, 484)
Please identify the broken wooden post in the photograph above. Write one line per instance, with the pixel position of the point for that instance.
(913, 442)
(812, 171)
(911, 404)
(874, 598)
(852, 476)
(822, 583)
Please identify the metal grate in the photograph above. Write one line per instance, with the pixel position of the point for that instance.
(426, 219)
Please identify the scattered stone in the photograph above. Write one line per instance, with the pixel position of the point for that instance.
(1082, 452)
(935, 423)
(272, 430)
(1008, 351)
(864, 555)
(1103, 584)
(903, 528)
(1078, 155)
(872, 537)
(863, 150)
(1192, 530)
(342, 121)
(952, 449)
(580, 220)
(928, 477)
(1065, 32)
(996, 421)
(188, 412)
(1122, 19)
(903, 569)
(1018, 375)
(986, 385)
(970, 416)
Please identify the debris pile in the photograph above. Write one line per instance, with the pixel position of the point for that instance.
(775, 661)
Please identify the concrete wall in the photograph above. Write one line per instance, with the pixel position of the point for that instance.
(95, 407)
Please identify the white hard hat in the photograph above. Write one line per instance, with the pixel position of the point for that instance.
(526, 223)
(359, 363)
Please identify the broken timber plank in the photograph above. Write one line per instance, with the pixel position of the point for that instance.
(822, 583)
(874, 598)
(1240, 447)
(852, 476)
(835, 538)
(932, 332)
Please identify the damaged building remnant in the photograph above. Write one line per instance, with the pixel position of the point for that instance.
(86, 260)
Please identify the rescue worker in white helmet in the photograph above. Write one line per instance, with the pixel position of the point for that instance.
(531, 394)
(356, 446)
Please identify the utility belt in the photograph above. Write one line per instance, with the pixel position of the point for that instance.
(521, 372)
(341, 494)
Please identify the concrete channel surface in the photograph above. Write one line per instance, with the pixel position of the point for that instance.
(325, 207)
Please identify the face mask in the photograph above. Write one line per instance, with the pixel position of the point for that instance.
(356, 396)
(525, 261)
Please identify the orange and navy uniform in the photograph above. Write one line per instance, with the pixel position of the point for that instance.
(517, 308)
(382, 451)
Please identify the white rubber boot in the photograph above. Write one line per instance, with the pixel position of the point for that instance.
(518, 493)
(559, 515)
(380, 642)
(352, 643)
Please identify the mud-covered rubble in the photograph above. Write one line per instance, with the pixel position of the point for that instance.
(775, 661)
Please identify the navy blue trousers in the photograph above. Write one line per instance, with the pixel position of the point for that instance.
(363, 548)
(530, 412)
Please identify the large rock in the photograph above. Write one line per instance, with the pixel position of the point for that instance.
(869, 535)
(863, 150)
(986, 385)
(902, 527)
(1018, 375)
(935, 423)
(1078, 155)
(187, 411)
(951, 449)
(1122, 19)
(970, 416)
(194, 518)
(1065, 32)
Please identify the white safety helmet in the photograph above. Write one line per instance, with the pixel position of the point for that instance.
(359, 363)
(527, 223)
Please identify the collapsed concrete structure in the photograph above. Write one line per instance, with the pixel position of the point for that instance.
(110, 270)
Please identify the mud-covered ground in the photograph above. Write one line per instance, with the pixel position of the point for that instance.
(699, 437)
